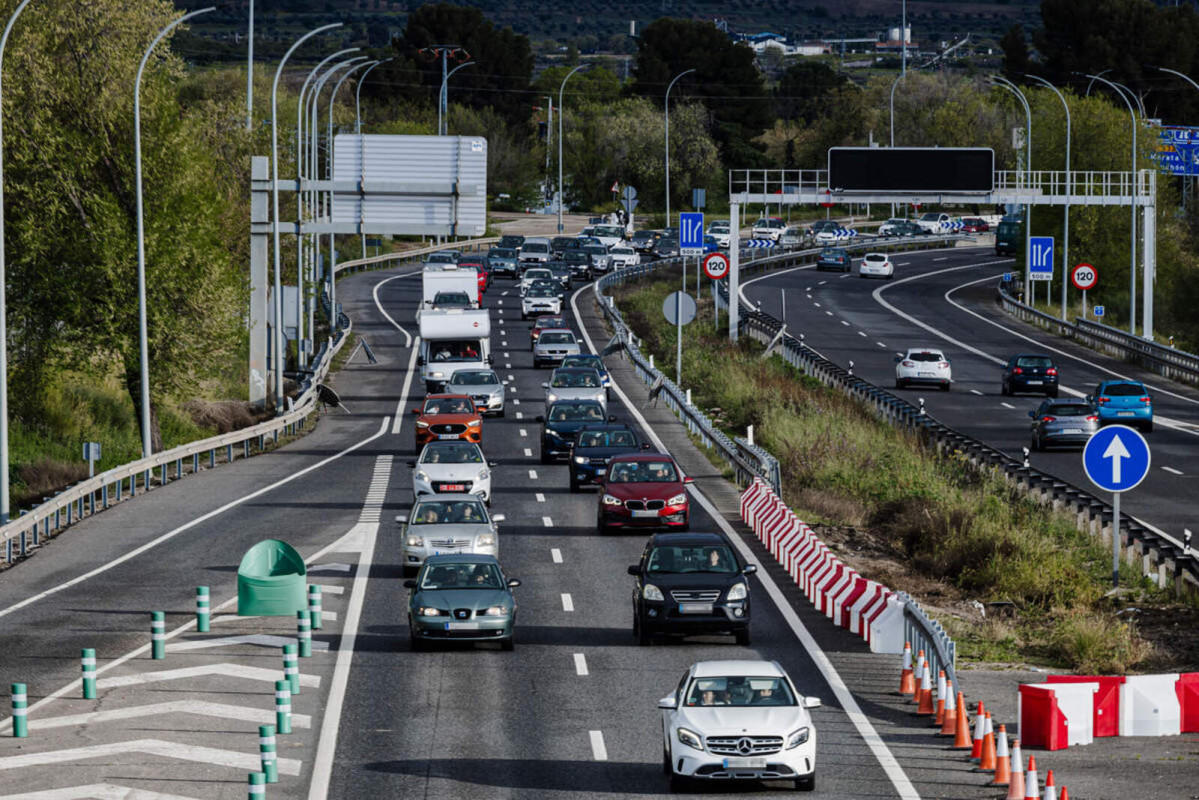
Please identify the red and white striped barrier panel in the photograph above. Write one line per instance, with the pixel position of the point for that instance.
(859, 605)
(1056, 715)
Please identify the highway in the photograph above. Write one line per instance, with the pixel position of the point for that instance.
(946, 299)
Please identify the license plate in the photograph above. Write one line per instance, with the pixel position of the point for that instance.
(453, 487)
(462, 626)
(1125, 414)
(744, 763)
(695, 608)
(1073, 430)
(927, 374)
(447, 436)
(1034, 383)
(641, 514)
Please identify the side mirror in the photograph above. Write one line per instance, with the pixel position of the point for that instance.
(401, 518)
(514, 582)
(416, 411)
(668, 702)
(645, 446)
(750, 569)
(611, 418)
(811, 702)
(409, 584)
(411, 464)
(688, 479)
(498, 518)
(1032, 415)
(898, 359)
(1090, 399)
(539, 418)
(493, 464)
(420, 361)
(545, 386)
(634, 570)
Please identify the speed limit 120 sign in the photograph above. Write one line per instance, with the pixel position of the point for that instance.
(1084, 277)
(716, 266)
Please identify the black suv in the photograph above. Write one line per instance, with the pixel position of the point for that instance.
(688, 584)
(562, 421)
(560, 244)
(511, 240)
(1029, 372)
(579, 262)
(834, 258)
(593, 448)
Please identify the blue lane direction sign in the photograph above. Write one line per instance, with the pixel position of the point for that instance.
(691, 233)
(1099, 311)
(1116, 458)
(1040, 265)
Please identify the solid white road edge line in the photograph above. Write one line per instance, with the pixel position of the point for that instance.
(398, 421)
(1172, 471)
(861, 722)
(379, 305)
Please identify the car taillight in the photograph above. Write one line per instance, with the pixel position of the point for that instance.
(943, 364)
(1146, 400)
(1092, 418)
(1103, 400)
(909, 363)
(1051, 371)
(1017, 371)
(1048, 418)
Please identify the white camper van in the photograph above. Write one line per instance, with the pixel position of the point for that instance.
(450, 340)
(448, 279)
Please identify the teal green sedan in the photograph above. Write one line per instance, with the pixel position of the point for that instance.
(462, 597)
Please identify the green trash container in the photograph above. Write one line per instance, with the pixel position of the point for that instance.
(272, 581)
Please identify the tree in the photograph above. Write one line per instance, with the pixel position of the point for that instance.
(597, 84)
(1015, 53)
(726, 80)
(803, 91)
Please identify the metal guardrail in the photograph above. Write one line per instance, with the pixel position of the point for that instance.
(925, 633)
(1167, 361)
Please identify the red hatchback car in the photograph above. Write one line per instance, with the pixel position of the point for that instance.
(975, 225)
(643, 490)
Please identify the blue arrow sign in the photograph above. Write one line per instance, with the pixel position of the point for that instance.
(1040, 266)
(752, 243)
(1099, 311)
(1116, 458)
(691, 230)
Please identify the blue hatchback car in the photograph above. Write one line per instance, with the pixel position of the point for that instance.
(1125, 402)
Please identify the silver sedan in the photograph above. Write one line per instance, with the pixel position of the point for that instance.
(572, 384)
(447, 523)
(1062, 423)
(483, 386)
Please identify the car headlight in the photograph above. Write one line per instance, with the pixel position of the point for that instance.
(739, 591)
(580, 459)
(420, 475)
(690, 738)
(427, 611)
(420, 424)
(438, 374)
(551, 397)
(494, 611)
(677, 500)
(609, 500)
(414, 541)
(484, 475)
(797, 738)
(651, 592)
(485, 540)
(472, 423)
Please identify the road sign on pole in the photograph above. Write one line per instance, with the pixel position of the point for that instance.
(699, 198)
(716, 265)
(691, 233)
(1040, 266)
(1098, 312)
(1116, 459)
(1084, 277)
(679, 308)
(628, 198)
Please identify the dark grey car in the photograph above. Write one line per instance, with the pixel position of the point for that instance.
(1062, 423)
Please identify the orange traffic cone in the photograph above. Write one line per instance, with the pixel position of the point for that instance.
(1003, 759)
(942, 687)
(1031, 786)
(1015, 787)
(907, 684)
(925, 707)
(1050, 789)
(986, 760)
(1065, 795)
(918, 675)
(980, 724)
(950, 721)
(961, 731)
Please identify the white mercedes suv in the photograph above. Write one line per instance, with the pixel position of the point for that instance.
(739, 720)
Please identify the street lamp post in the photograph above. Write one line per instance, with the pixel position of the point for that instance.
(666, 108)
(250, 70)
(4, 500)
(1066, 214)
(1132, 267)
(1011, 87)
(278, 302)
(143, 347)
(443, 122)
(561, 113)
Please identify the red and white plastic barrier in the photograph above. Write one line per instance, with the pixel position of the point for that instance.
(1056, 715)
(862, 606)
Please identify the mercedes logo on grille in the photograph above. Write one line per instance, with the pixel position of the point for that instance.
(745, 746)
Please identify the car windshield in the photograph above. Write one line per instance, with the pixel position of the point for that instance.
(595, 250)
(564, 243)
(927, 355)
(441, 258)
(576, 412)
(607, 439)
(534, 274)
(583, 361)
(609, 231)
(563, 337)
(691, 558)
(549, 322)
(894, 222)
(931, 217)
(452, 350)
(559, 272)
(541, 291)
(740, 690)
(451, 299)
(474, 377)
(621, 250)
(576, 256)
(1069, 410)
(451, 453)
(719, 229)
(641, 236)
(643, 472)
(576, 380)
(832, 253)
(501, 252)
(875, 257)
(1034, 361)
(790, 232)
(535, 247)
(1124, 390)
(449, 405)
(449, 512)
(668, 242)
(461, 576)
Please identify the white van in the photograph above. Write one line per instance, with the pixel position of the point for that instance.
(446, 278)
(452, 340)
(536, 250)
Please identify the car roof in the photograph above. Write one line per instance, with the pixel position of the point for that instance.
(608, 426)
(574, 371)
(556, 330)
(925, 348)
(1033, 355)
(1121, 381)
(579, 402)
(537, 322)
(462, 558)
(429, 498)
(713, 669)
(691, 538)
(588, 356)
(642, 457)
(443, 395)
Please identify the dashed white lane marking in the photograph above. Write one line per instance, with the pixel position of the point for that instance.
(807, 288)
(846, 275)
(567, 603)
(503, 294)
(942, 258)
(977, 392)
(843, 322)
(505, 344)
(540, 497)
(528, 453)
(507, 355)
(829, 313)
(903, 263)
(822, 283)
(549, 523)
(1005, 405)
(532, 473)
(499, 302)
(880, 344)
(511, 378)
(1172, 471)
(861, 333)
(501, 311)
(556, 554)
(816, 304)
(598, 751)
(508, 365)
(581, 664)
(520, 415)
(512, 389)
(515, 401)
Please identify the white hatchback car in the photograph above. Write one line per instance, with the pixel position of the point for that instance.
(739, 720)
(452, 466)
(923, 365)
(624, 255)
(876, 265)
